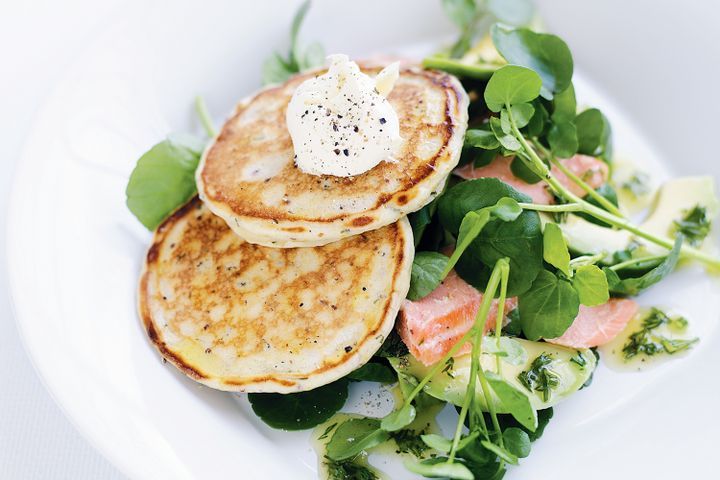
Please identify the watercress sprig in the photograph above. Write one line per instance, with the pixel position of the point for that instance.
(449, 466)
(277, 68)
(431, 268)
(583, 205)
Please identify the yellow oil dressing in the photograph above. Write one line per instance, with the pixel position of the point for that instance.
(614, 356)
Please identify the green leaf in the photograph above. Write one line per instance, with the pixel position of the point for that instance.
(500, 452)
(470, 227)
(555, 250)
(515, 401)
(563, 140)
(548, 308)
(422, 218)
(438, 442)
(295, 30)
(439, 467)
(565, 105)
(300, 411)
(513, 12)
(276, 70)
(485, 157)
(510, 85)
(354, 437)
(491, 470)
(520, 169)
(507, 421)
(609, 193)
(591, 285)
(519, 240)
(392, 347)
(465, 15)
(514, 327)
(162, 181)
(522, 113)
(314, 56)
(509, 349)
(507, 140)
(460, 12)
(546, 54)
(506, 209)
(398, 419)
(516, 442)
(374, 372)
(479, 138)
(426, 273)
(594, 134)
(538, 122)
(634, 285)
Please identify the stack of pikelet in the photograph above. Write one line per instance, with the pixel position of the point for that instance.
(275, 280)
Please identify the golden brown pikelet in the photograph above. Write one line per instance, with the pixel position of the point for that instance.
(242, 317)
(247, 175)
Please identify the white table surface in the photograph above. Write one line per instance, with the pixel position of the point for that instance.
(38, 38)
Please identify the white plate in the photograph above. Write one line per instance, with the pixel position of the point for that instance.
(75, 251)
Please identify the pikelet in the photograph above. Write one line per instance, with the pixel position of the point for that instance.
(248, 177)
(242, 317)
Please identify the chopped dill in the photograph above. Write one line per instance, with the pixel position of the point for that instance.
(695, 225)
(540, 377)
(409, 441)
(647, 342)
(579, 360)
(448, 367)
(327, 431)
(348, 469)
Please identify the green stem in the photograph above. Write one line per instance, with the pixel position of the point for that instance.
(599, 213)
(565, 207)
(204, 116)
(478, 329)
(439, 365)
(501, 310)
(637, 261)
(481, 71)
(606, 204)
(490, 405)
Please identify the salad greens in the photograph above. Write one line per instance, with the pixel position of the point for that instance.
(497, 239)
(300, 411)
(635, 285)
(473, 16)
(163, 179)
(519, 240)
(546, 55)
(373, 372)
(502, 247)
(277, 68)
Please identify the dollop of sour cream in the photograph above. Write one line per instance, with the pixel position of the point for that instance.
(341, 122)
